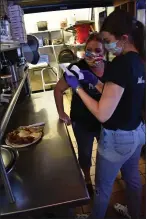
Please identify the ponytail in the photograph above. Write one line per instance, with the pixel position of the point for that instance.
(139, 38)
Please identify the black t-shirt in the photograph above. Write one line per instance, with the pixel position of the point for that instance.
(79, 112)
(127, 71)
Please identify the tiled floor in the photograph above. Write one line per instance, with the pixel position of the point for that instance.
(118, 194)
(36, 81)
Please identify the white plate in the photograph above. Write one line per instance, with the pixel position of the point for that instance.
(23, 145)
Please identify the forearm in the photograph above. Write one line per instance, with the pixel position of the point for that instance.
(59, 101)
(90, 103)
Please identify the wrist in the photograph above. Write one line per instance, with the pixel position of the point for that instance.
(78, 88)
(61, 113)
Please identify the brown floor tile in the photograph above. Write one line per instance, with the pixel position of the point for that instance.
(119, 176)
(117, 197)
(142, 168)
(87, 208)
(92, 171)
(143, 179)
(118, 186)
(79, 210)
(142, 161)
(144, 190)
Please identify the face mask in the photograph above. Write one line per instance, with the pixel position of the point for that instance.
(93, 59)
(113, 48)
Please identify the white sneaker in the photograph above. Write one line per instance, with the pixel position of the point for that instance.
(122, 210)
(81, 216)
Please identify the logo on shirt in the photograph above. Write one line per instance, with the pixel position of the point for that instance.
(140, 80)
(91, 87)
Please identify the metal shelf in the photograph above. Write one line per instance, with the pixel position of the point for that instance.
(11, 106)
(9, 45)
(72, 27)
(3, 127)
(57, 45)
(46, 31)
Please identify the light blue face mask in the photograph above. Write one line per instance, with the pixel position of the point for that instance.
(113, 48)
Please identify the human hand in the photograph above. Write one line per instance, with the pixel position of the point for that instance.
(89, 77)
(72, 81)
(65, 118)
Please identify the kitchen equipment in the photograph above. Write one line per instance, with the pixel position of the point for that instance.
(63, 23)
(30, 49)
(42, 25)
(5, 32)
(45, 41)
(5, 98)
(14, 73)
(66, 55)
(5, 64)
(9, 156)
(57, 41)
(82, 32)
(6, 84)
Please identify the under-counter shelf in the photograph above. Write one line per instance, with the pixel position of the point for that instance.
(11, 106)
(9, 45)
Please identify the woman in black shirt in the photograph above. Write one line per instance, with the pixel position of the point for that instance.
(85, 126)
(119, 110)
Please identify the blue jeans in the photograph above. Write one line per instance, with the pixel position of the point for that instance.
(118, 150)
(84, 140)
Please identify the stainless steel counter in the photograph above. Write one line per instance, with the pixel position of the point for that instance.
(47, 174)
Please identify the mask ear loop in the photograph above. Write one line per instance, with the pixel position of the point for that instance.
(123, 46)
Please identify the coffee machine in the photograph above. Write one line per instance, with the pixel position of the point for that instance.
(12, 67)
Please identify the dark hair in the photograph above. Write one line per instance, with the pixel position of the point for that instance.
(94, 36)
(120, 22)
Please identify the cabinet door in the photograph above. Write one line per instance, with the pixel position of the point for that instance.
(128, 5)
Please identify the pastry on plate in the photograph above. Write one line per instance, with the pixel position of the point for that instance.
(24, 135)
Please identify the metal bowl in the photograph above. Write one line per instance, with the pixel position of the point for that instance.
(9, 156)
